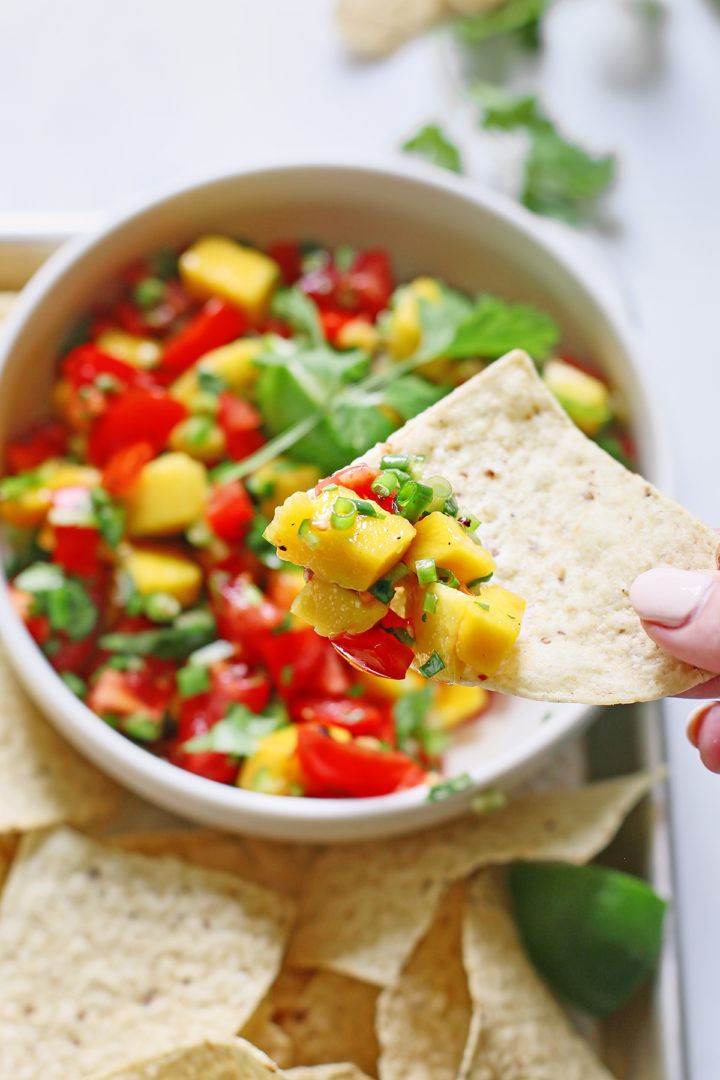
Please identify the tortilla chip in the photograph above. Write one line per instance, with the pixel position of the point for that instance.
(523, 1033)
(103, 952)
(423, 1021)
(43, 781)
(337, 1071)
(373, 28)
(7, 299)
(262, 1031)
(274, 865)
(365, 907)
(8, 846)
(570, 528)
(236, 1060)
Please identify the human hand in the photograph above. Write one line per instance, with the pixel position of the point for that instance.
(680, 610)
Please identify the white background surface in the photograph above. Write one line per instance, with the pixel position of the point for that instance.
(106, 102)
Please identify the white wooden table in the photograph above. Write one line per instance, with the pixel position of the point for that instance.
(104, 103)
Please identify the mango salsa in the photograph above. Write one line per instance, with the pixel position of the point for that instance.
(354, 558)
(333, 610)
(217, 266)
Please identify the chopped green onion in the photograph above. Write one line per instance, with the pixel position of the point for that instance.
(307, 535)
(430, 603)
(149, 292)
(395, 461)
(448, 578)
(343, 514)
(413, 499)
(74, 683)
(479, 580)
(448, 788)
(416, 466)
(485, 607)
(432, 666)
(468, 521)
(426, 571)
(193, 679)
(451, 506)
(330, 487)
(382, 590)
(161, 607)
(441, 492)
(142, 728)
(367, 509)
(389, 481)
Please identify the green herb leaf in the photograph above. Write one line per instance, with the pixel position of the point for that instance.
(74, 683)
(211, 383)
(409, 395)
(503, 109)
(448, 788)
(562, 179)
(409, 714)
(297, 309)
(431, 144)
(239, 733)
(64, 600)
(495, 327)
(190, 631)
(432, 666)
(193, 679)
(507, 17)
(110, 517)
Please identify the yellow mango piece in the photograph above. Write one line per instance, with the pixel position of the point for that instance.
(354, 558)
(233, 363)
(138, 351)
(453, 705)
(168, 496)
(218, 266)
(391, 689)
(403, 329)
(274, 768)
(210, 449)
(443, 539)
(165, 571)
(438, 632)
(358, 334)
(30, 508)
(584, 398)
(332, 610)
(279, 479)
(490, 628)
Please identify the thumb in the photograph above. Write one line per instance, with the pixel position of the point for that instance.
(680, 610)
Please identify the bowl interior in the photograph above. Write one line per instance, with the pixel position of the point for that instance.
(434, 227)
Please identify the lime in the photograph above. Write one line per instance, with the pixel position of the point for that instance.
(594, 934)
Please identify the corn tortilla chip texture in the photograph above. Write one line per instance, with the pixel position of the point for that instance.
(570, 528)
(424, 1019)
(104, 951)
(336, 1071)
(365, 907)
(43, 781)
(236, 1060)
(522, 1033)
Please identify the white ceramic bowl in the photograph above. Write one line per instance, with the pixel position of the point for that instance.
(430, 223)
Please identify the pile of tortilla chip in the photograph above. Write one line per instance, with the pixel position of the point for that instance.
(195, 955)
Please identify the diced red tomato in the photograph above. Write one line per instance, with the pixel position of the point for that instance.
(229, 511)
(322, 285)
(356, 715)
(125, 465)
(333, 321)
(236, 684)
(76, 548)
(194, 722)
(240, 422)
(123, 693)
(368, 284)
(288, 257)
(85, 363)
(38, 444)
(349, 768)
(244, 616)
(375, 651)
(299, 660)
(217, 323)
(359, 478)
(137, 416)
(38, 625)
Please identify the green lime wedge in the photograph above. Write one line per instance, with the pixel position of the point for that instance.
(594, 934)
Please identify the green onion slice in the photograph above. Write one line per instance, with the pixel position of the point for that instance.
(432, 666)
(343, 513)
(430, 602)
(413, 499)
(307, 535)
(367, 509)
(441, 492)
(426, 571)
(448, 578)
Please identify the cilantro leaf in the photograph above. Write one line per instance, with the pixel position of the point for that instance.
(297, 309)
(409, 395)
(495, 327)
(505, 110)
(512, 15)
(562, 179)
(431, 143)
(64, 600)
(239, 733)
(188, 632)
(409, 713)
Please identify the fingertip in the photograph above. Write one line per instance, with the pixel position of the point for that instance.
(703, 731)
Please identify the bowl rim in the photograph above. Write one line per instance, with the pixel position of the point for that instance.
(167, 785)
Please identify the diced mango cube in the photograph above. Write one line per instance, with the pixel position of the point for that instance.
(209, 448)
(332, 610)
(274, 768)
(279, 479)
(391, 689)
(233, 363)
(438, 631)
(218, 266)
(404, 329)
(163, 570)
(490, 628)
(354, 557)
(358, 334)
(443, 539)
(584, 398)
(138, 351)
(168, 496)
(453, 704)
(30, 508)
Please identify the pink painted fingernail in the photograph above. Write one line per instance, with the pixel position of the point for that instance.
(668, 596)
